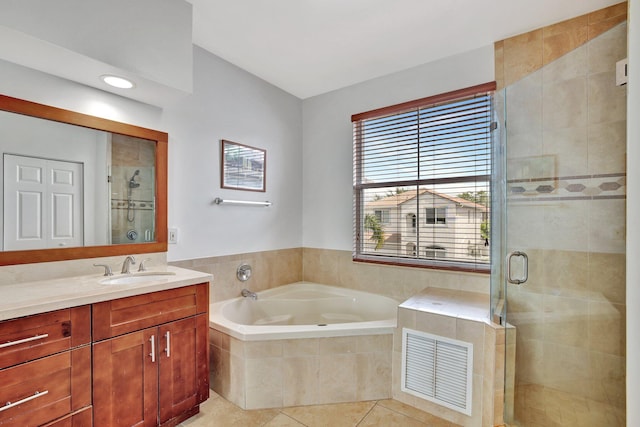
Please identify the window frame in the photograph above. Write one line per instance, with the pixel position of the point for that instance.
(358, 188)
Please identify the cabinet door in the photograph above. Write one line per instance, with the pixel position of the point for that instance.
(184, 373)
(125, 381)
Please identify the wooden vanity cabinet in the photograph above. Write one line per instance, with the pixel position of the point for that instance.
(45, 368)
(150, 357)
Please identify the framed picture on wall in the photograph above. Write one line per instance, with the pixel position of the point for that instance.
(242, 167)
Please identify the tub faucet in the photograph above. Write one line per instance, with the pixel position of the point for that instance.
(127, 264)
(248, 294)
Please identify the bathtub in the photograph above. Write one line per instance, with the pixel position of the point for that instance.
(302, 344)
(304, 310)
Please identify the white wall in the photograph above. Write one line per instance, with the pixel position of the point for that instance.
(227, 103)
(231, 104)
(633, 213)
(327, 137)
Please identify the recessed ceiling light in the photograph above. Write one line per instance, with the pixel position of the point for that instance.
(119, 82)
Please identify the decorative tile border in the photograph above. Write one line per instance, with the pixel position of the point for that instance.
(586, 187)
(135, 204)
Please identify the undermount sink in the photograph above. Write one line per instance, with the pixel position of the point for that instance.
(130, 279)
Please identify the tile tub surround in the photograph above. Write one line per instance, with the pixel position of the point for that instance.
(270, 269)
(328, 266)
(462, 316)
(279, 373)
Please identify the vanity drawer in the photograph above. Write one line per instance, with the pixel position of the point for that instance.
(40, 391)
(32, 337)
(124, 315)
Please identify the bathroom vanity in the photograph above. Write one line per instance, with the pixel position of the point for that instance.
(78, 352)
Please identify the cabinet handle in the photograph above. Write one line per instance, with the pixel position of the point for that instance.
(168, 348)
(10, 405)
(153, 348)
(22, 341)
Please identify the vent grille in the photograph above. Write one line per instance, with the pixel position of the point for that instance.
(437, 369)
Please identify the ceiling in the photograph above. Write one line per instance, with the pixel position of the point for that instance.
(310, 47)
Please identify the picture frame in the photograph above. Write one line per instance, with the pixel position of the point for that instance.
(242, 167)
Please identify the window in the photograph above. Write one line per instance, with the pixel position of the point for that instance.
(422, 180)
(436, 215)
(435, 251)
(382, 216)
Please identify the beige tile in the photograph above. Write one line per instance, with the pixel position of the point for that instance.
(264, 383)
(472, 332)
(530, 359)
(607, 102)
(607, 331)
(414, 413)
(607, 147)
(607, 227)
(381, 416)
(604, 19)
(498, 49)
(262, 349)
(565, 273)
(564, 225)
(436, 324)
(565, 104)
(337, 345)
(337, 378)
(220, 412)
(607, 276)
(571, 65)
(562, 38)
(300, 381)
(373, 376)
(524, 112)
(522, 55)
(565, 319)
(374, 343)
(607, 49)
(565, 365)
(337, 415)
(301, 347)
(282, 420)
(570, 148)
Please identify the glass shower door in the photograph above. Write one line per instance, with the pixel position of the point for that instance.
(558, 222)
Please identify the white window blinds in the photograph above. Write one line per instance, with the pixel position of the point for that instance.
(427, 165)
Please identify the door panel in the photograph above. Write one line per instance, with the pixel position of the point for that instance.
(183, 362)
(126, 380)
(43, 203)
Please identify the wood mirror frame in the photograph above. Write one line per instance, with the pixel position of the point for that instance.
(46, 112)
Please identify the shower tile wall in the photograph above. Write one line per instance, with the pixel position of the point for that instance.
(129, 155)
(566, 140)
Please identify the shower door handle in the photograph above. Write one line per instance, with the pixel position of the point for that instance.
(525, 267)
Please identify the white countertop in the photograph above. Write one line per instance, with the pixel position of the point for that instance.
(23, 299)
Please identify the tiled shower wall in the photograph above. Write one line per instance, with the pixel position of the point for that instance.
(566, 143)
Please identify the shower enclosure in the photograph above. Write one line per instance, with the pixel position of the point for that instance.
(558, 223)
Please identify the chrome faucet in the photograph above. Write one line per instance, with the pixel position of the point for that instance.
(248, 294)
(128, 261)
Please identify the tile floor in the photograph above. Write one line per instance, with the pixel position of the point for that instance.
(217, 411)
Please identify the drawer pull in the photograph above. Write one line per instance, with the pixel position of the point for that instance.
(168, 348)
(153, 349)
(10, 405)
(22, 341)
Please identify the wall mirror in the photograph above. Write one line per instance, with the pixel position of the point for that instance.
(77, 186)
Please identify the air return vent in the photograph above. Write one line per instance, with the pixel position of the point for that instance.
(437, 369)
